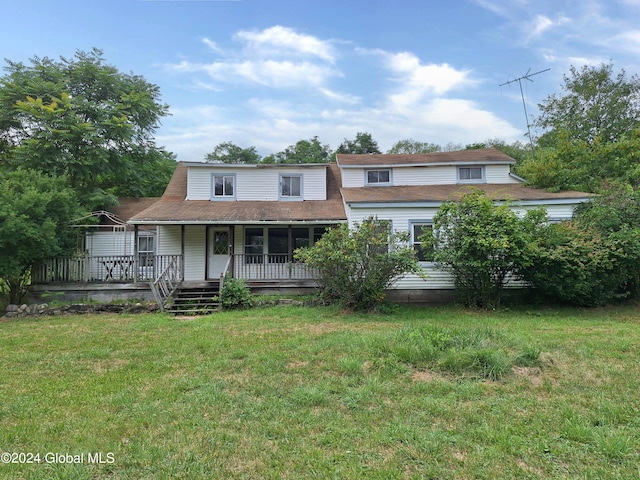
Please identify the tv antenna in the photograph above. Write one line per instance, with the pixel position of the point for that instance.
(526, 76)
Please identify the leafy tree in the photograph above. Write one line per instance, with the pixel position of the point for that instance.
(410, 145)
(578, 165)
(35, 213)
(229, 152)
(355, 266)
(363, 143)
(304, 151)
(596, 104)
(483, 245)
(81, 118)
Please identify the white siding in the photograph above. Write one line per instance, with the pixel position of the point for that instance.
(421, 175)
(424, 175)
(195, 252)
(257, 184)
(110, 243)
(169, 240)
(499, 174)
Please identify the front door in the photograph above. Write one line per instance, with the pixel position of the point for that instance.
(219, 241)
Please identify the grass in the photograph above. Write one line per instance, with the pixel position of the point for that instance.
(306, 393)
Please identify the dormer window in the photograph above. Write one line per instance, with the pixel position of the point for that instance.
(378, 177)
(470, 174)
(291, 187)
(223, 187)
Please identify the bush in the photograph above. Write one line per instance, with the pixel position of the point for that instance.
(355, 266)
(235, 294)
(482, 245)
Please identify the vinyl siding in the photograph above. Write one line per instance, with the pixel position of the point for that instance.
(257, 184)
(437, 175)
(195, 252)
(169, 240)
(110, 243)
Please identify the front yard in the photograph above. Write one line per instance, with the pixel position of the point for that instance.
(294, 392)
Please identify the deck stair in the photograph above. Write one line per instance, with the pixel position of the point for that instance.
(195, 299)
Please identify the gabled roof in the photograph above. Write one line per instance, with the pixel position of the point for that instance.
(441, 193)
(481, 156)
(172, 208)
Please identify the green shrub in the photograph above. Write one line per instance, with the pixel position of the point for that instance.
(355, 266)
(235, 294)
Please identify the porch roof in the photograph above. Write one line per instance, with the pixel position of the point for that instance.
(172, 208)
(442, 193)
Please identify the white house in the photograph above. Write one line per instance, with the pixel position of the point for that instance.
(245, 220)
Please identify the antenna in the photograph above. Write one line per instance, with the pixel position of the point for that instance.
(526, 76)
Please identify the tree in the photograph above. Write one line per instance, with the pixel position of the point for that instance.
(410, 145)
(363, 143)
(229, 152)
(83, 119)
(579, 165)
(35, 213)
(355, 266)
(304, 151)
(596, 105)
(483, 245)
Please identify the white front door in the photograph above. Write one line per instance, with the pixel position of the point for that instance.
(219, 241)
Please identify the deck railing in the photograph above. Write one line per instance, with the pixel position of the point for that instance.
(269, 267)
(104, 268)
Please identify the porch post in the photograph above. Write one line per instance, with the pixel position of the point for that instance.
(136, 272)
(182, 237)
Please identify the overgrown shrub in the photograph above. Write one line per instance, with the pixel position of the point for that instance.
(235, 294)
(355, 266)
(482, 245)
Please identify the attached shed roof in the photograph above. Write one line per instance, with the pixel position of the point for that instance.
(172, 208)
(481, 156)
(441, 193)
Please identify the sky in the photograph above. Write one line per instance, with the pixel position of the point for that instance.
(268, 73)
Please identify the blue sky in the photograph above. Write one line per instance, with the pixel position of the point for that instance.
(267, 73)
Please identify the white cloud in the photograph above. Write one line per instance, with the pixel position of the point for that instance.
(340, 97)
(280, 40)
(212, 45)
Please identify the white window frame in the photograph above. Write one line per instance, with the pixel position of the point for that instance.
(378, 183)
(414, 240)
(281, 181)
(471, 180)
(224, 196)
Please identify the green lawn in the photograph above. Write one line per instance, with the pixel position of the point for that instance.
(293, 392)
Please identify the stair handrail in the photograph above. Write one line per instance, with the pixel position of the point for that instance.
(166, 284)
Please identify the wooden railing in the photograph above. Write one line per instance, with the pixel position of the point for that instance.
(105, 268)
(168, 280)
(269, 267)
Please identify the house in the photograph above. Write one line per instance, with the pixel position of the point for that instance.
(218, 220)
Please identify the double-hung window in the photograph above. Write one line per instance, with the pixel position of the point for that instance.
(418, 229)
(378, 177)
(470, 174)
(223, 187)
(291, 187)
(146, 250)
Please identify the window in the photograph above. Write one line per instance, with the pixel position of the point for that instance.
(291, 186)
(146, 250)
(470, 174)
(378, 177)
(223, 186)
(253, 245)
(278, 243)
(417, 231)
(382, 231)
